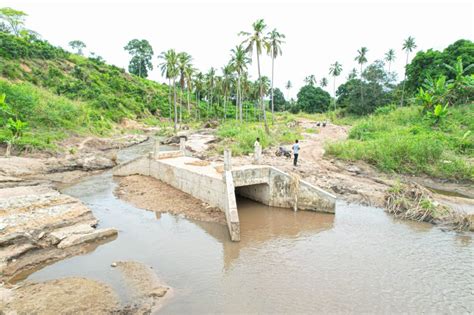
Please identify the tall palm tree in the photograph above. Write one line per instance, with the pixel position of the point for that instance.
(288, 87)
(256, 38)
(352, 74)
(335, 70)
(323, 83)
(408, 46)
(390, 57)
(274, 41)
(239, 62)
(198, 86)
(188, 75)
(210, 78)
(169, 67)
(184, 62)
(310, 79)
(361, 58)
(226, 80)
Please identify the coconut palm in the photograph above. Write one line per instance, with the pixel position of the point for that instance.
(323, 83)
(408, 46)
(169, 69)
(390, 57)
(335, 70)
(352, 75)
(198, 87)
(288, 87)
(227, 71)
(210, 80)
(274, 41)
(257, 40)
(188, 75)
(239, 62)
(310, 79)
(361, 59)
(184, 62)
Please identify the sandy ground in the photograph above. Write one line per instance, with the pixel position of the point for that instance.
(154, 195)
(74, 295)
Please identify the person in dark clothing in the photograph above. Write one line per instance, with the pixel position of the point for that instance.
(296, 152)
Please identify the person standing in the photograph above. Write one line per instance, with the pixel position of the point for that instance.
(257, 151)
(296, 151)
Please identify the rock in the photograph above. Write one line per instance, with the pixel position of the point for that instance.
(173, 140)
(113, 265)
(353, 169)
(60, 234)
(211, 124)
(76, 239)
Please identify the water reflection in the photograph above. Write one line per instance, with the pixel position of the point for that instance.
(260, 224)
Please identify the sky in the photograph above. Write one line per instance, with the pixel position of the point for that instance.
(318, 33)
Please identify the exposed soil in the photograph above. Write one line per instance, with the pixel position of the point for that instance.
(151, 194)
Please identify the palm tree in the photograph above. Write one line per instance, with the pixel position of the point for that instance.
(169, 68)
(335, 70)
(256, 38)
(274, 41)
(310, 80)
(352, 74)
(323, 83)
(361, 59)
(210, 86)
(184, 62)
(226, 80)
(239, 62)
(390, 57)
(188, 75)
(198, 86)
(408, 46)
(288, 86)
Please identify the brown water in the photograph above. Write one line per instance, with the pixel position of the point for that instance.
(358, 261)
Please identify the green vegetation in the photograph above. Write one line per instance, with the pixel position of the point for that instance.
(404, 140)
(240, 138)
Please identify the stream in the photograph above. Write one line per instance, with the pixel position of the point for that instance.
(359, 260)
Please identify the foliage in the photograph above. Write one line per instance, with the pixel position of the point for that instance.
(141, 52)
(313, 99)
(279, 100)
(402, 140)
(78, 46)
(13, 19)
(431, 63)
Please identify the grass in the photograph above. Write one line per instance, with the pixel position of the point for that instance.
(240, 138)
(404, 141)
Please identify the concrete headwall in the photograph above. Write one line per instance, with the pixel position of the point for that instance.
(275, 188)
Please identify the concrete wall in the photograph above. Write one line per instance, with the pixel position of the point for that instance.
(217, 192)
(275, 188)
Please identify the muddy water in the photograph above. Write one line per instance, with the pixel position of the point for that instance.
(359, 260)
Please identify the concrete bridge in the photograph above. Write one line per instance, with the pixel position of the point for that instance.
(218, 185)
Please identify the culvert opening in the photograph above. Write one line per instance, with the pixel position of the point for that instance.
(258, 192)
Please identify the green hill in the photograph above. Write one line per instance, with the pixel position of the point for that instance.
(57, 93)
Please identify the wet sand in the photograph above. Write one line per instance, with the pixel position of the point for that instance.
(151, 194)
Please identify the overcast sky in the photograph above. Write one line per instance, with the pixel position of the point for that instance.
(318, 33)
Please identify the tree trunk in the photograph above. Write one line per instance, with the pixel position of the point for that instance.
(334, 91)
(189, 101)
(175, 107)
(225, 96)
(361, 87)
(180, 108)
(169, 95)
(261, 96)
(239, 92)
(404, 80)
(273, 72)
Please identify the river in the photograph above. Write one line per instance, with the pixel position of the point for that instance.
(359, 260)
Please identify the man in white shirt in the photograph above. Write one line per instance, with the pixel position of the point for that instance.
(296, 151)
(257, 151)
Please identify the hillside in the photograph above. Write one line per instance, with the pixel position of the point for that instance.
(57, 93)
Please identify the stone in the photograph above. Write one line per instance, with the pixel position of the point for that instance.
(113, 265)
(76, 239)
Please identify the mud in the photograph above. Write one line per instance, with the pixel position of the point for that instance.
(151, 194)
